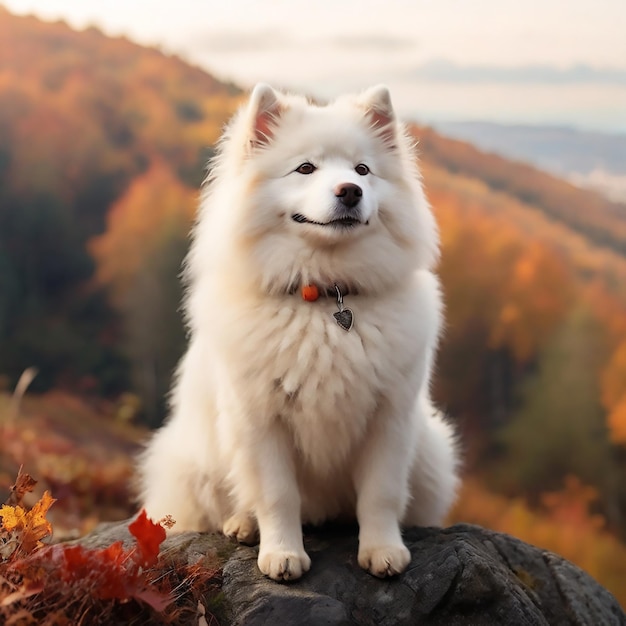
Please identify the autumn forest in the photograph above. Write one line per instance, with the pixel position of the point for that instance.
(103, 148)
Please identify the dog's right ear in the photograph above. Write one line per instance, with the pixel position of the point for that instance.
(264, 110)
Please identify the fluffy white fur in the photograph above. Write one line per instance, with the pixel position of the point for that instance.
(279, 416)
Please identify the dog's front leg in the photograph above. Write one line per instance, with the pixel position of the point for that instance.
(381, 481)
(277, 506)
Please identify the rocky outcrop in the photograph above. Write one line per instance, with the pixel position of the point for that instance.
(460, 575)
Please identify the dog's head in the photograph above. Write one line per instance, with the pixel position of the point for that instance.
(323, 164)
(325, 193)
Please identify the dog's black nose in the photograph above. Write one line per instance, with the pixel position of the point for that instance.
(349, 194)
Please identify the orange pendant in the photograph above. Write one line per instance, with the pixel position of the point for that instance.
(310, 293)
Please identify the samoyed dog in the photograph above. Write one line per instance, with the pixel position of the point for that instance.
(314, 318)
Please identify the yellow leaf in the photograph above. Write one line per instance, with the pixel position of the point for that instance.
(13, 517)
(28, 527)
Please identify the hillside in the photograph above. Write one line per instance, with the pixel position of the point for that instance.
(82, 116)
(587, 229)
(96, 107)
(595, 217)
(105, 147)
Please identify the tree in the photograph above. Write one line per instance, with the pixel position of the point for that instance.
(559, 428)
(139, 259)
(50, 317)
(614, 393)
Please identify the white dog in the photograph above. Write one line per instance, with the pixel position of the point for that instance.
(314, 318)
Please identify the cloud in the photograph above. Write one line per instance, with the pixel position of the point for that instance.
(372, 42)
(238, 42)
(442, 70)
(270, 40)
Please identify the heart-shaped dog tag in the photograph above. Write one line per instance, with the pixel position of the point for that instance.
(344, 318)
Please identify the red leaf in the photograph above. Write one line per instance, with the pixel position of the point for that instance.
(102, 572)
(149, 537)
(111, 573)
(105, 574)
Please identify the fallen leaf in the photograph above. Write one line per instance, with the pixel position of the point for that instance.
(28, 527)
(23, 484)
(13, 517)
(150, 536)
(37, 526)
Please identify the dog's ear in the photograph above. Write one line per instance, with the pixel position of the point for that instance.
(378, 107)
(264, 109)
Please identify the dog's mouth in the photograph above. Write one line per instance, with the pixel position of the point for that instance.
(340, 222)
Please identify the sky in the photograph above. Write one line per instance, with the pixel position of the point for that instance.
(537, 61)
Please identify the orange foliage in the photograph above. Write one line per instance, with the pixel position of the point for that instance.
(518, 287)
(617, 422)
(510, 269)
(533, 300)
(80, 105)
(155, 205)
(565, 525)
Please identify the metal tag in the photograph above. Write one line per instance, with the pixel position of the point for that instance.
(343, 317)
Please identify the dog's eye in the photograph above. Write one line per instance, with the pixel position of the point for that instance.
(306, 168)
(362, 170)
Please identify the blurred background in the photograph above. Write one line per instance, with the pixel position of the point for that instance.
(108, 114)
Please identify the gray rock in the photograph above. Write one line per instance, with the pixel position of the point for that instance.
(460, 575)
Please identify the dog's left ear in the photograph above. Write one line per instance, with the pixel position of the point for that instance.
(264, 109)
(377, 103)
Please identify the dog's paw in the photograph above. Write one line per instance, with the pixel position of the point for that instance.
(242, 527)
(284, 564)
(384, 561)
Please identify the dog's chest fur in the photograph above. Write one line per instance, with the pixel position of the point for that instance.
(323, 383)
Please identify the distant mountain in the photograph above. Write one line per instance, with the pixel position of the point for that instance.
(443, 70)
(588, 159)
